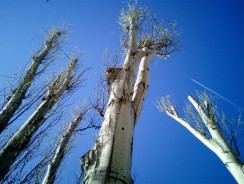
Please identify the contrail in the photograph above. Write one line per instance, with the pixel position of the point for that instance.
(5, 76)
(227, 100)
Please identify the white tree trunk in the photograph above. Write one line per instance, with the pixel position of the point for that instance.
(60, 152)
(220, 146)
(232, 163)
(217, 142)
(19, 93)
(109, 161)
(142, 83)
(22, 137)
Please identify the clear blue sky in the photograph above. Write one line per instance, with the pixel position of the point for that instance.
(213, 43)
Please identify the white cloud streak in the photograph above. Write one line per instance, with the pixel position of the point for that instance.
(217, 94)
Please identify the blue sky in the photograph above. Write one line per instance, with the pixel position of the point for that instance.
(212, 40)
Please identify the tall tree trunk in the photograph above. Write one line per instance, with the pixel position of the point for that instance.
(60, 152)
(19, 141)
(19, 93)
(219, 144)
(109, 161)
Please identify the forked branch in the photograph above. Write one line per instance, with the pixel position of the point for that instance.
(208, 131)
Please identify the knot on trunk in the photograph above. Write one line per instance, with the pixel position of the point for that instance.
(112, 74)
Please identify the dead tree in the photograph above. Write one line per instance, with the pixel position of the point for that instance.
(39, 63)
(109, 161)
(203, 124)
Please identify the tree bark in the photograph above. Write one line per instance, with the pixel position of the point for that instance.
(109, 161)
(60, 152)
(19, 93)
(216, 142)
(20, 140)
(220, 145)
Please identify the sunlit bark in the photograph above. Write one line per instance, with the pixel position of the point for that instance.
(22, 137)
(212, 137)
(19, 93)
(109, 161)
(53, 166)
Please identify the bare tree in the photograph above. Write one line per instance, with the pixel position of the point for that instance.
(62, 149)
(47, 168)
(40, 61)
(109, 161)
(65, 82)
(203, 124)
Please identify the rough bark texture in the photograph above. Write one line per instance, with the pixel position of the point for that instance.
(60, 152)
(109, 161)
(22, 137)
(216, 141)
(19, 93)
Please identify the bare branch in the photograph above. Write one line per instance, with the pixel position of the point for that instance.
(22, 137)
(166, 106)
(130, 20)
(61, 149)
(19, 93)
(209, 131)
